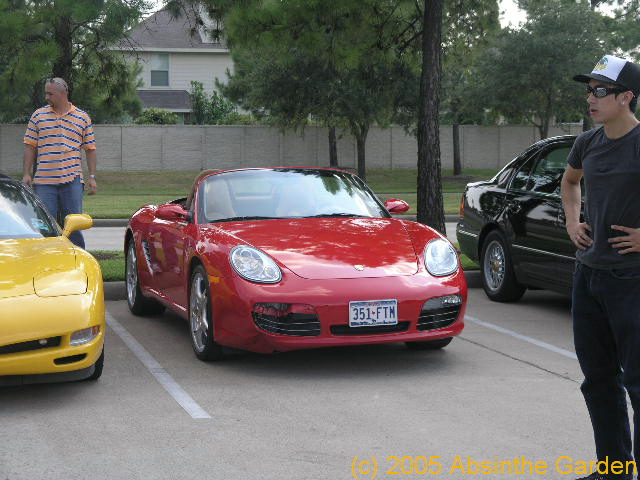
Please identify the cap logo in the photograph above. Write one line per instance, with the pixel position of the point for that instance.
(601, 65)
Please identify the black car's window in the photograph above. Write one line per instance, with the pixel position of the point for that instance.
(21, 215)
(548, 171)
(521, 178)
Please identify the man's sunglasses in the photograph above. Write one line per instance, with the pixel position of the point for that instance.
(601, 92)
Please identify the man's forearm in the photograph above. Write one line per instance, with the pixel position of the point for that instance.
(28, 159)
(571, 201)
(92, 161)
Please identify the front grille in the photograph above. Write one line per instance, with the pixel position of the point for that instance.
(375, 330)
(294, 324)
(436, 315)
(31, 345)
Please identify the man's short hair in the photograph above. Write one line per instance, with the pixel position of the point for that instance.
(59, 82)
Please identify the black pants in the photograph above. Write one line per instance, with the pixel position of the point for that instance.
(606, 329)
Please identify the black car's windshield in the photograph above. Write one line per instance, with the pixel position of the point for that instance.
(285, 193)
(21, 216)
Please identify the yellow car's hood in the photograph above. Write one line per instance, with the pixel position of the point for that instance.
(23, 259)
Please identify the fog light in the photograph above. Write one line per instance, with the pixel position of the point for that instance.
(440, 302)
(84, 336)
(452, 300)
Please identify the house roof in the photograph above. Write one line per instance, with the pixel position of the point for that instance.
(161, 32)
(177, 100)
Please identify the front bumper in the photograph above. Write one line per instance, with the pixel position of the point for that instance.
(235, 325)
(28, 319)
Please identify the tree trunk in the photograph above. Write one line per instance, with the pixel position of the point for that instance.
(457, 163)
(333, 147)
(361, 140)
(430, 206)
(63, 65)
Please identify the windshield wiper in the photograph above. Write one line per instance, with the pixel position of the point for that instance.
(238, 219)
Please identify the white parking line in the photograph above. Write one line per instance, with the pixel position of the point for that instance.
(519, 336)
(160, 374)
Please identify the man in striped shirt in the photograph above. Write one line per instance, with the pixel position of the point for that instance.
(55, 135)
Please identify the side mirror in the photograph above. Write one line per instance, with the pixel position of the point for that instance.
(76, 221)
(395, 205)
(171, 212)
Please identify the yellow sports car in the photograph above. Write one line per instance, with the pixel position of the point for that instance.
(52, 317)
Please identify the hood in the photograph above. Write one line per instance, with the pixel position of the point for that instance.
(22, 260)
(325, 248)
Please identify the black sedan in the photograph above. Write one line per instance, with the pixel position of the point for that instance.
(514, 226)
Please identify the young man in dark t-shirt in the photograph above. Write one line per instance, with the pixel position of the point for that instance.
(606, 283)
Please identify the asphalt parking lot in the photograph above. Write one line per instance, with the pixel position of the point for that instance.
(507, 388)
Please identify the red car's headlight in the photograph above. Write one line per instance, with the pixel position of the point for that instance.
(252, 264)
(440, 258)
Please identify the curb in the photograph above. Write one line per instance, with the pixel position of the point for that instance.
(115, 291)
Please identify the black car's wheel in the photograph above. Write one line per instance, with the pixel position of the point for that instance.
(200, 318)
(429, 345)
(138, 303)
(498, 278)
(97, 371)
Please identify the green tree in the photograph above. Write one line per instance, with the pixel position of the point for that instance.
(333, 59)
(527, 74)
(68, 39)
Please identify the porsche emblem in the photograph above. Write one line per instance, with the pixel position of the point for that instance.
(359, 267)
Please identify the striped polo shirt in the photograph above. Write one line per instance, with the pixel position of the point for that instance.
(58, 139)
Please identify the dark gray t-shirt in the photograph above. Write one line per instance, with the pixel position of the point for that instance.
(612, 193)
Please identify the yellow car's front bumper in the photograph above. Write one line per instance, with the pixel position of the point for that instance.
(35, 333)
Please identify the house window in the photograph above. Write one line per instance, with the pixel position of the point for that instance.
(160, 70)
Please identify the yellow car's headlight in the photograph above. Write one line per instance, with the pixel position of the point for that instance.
(85, 335)
(55, 283)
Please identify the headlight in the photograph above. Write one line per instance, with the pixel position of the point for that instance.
(85, 335)
(440, 258)
(252, 264)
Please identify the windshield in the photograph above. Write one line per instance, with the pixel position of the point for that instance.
(285, 193)
(21, 215)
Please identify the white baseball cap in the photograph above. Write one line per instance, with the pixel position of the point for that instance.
(616, 70)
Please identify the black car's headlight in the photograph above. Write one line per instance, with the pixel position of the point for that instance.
(440, 258)
(252, 264)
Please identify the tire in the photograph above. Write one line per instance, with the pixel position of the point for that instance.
(138, 303)
(97, 371)
(200, 318)
(496, 266)
(429, 344)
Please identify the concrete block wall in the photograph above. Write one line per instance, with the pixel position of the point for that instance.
(188, 147)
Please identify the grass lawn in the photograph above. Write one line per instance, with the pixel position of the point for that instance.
(121, 193)
(112, 264)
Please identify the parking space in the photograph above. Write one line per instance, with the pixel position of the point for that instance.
(490, 395)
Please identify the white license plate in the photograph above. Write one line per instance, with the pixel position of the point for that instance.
(373, 312)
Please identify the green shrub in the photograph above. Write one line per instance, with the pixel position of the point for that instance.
(157, 116)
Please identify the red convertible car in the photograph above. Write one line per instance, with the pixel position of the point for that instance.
(276, 259)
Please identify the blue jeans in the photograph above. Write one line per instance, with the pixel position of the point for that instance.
(606, 329)
(61, 200)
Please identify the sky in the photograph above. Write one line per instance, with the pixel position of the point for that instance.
(510, 13)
